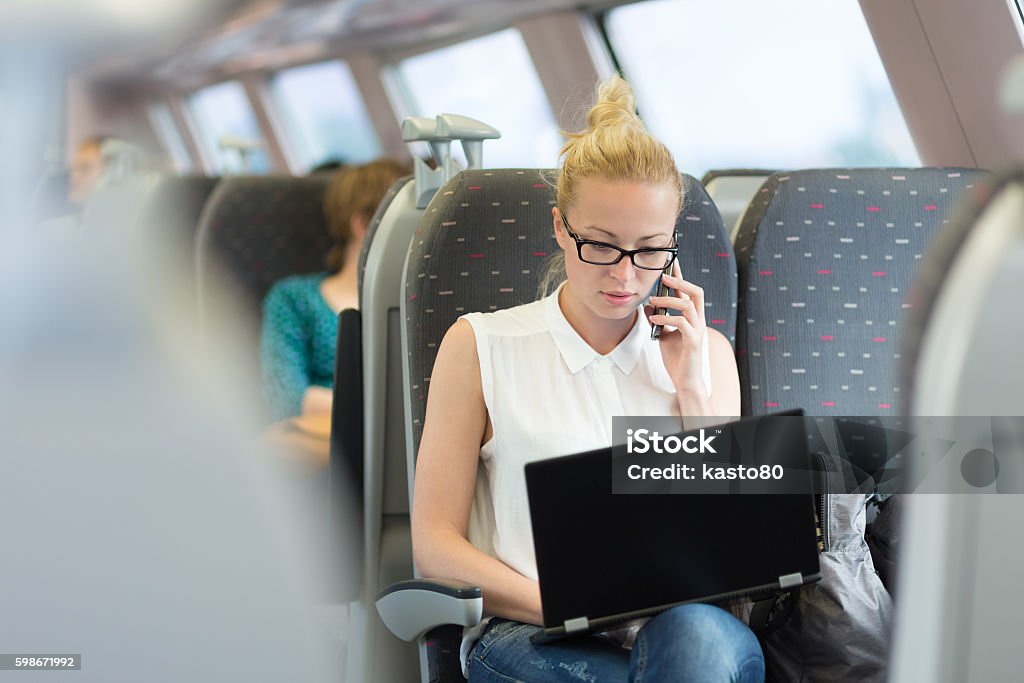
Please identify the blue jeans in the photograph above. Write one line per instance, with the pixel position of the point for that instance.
(698, 643)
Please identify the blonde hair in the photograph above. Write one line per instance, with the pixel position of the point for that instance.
(615, 146)
(356, 191)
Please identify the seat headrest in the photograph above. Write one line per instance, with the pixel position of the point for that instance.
(261, 229)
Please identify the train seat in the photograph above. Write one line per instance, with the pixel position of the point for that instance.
(481, 246)
(825, 259)
(252, 232)
(347, 416)
(378, 445)
(386, 547)
(260, 229)
(174, 206)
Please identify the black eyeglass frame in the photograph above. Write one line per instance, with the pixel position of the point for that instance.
(631, 253)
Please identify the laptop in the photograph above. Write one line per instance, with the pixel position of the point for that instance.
(604, 559)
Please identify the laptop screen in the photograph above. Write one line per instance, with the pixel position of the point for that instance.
(600, 554)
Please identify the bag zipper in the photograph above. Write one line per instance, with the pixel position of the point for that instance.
(820, 463)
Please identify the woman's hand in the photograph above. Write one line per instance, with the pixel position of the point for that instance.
(681, 346)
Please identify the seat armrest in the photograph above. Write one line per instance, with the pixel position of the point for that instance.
(411, 608)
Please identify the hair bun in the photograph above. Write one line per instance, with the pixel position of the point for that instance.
(616, 146)
(615, 106)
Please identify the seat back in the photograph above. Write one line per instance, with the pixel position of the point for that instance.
(825, 258)
(732, 190)
(348, 416)
(957, 335)
(174, 206)
(374, 225)
(491, 233)
(252, 232)
(257, 230)
(387, 551)
(374, 651)
(380, 265)
(482, 246)
(706, 256)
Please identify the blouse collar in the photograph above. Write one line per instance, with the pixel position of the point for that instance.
(578, 354)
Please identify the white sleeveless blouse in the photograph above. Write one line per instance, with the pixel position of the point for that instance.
(548, 393)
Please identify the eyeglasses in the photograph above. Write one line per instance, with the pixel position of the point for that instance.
(603, 254)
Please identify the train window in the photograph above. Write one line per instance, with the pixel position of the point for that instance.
(324, 113)
(170, 137)
(796, 84)
(228, 129)
(491, 79)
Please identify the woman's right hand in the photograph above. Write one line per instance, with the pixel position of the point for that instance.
(683, 335)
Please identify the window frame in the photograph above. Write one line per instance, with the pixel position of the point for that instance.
(213, 162)
(601, 17)
(397, 87)
(280, 117)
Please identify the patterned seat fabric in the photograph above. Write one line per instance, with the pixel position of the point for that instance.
(932, 277)
(261, 229)
(482, 245)
(825, 258)
(253, 232)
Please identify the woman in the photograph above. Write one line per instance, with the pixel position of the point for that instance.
(544, 379)
(300, 313)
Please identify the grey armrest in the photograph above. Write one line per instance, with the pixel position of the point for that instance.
(471, 132)
(423, 129)
(459, 127)
(417, 128)
(411, 608)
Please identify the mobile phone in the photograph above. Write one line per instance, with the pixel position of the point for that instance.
(661, 291)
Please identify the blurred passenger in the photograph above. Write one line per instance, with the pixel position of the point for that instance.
(300, 313)
(86, 169)
(60, 199)
(539, 380)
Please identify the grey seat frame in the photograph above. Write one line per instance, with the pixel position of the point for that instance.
(387, 544)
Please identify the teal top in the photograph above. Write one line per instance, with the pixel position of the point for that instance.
(298, 343)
